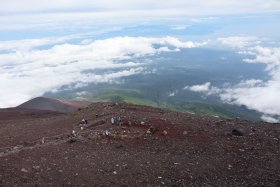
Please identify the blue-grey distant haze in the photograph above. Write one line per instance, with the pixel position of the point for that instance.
(212, 51)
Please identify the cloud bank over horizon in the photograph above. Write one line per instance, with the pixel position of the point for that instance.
(190, 6)
(53, 15)
(54, 64)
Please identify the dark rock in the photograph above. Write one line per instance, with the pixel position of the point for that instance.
(27, 144)
(119, 146)
(72, 140)
(220, 122)
(237, 132)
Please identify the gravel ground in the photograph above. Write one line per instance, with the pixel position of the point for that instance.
(150, 147)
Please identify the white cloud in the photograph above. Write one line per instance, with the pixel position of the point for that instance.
(262, 96)
(180, 27)
(203, 88)
(82, 93)
(250, 83)
(179, 44)
(259, 95)
(173, 93)
(28, 71)
(204, 19)
(270, 119)
(239, 41)
(254, 94)
(269, 56)
(27, 44)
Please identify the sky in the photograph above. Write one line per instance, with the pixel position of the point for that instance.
(49, 44)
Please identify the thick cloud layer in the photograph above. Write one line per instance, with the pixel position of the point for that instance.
(259, 95)
(262, 96)
(191, 6)
(27, 70)
(83, 14)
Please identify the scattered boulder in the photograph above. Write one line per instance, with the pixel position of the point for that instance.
(237, 132)
(164, 133)
(27, 144)
(107, 133)
(119, 146)
(43, 140)
(123, 136)
(36, 167)
(151, 130)
(24, 170)
(126, 123)
(220, 122)
(73, 133)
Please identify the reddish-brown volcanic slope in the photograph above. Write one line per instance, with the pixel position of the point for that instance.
(182, 150)
(43, 103)
(22, 113)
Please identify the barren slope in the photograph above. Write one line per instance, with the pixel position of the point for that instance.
(180, 150)
(43, 103)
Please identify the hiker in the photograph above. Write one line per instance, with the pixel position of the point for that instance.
(113, 120)
(119, 120)
(116, 120)
(81, 125)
